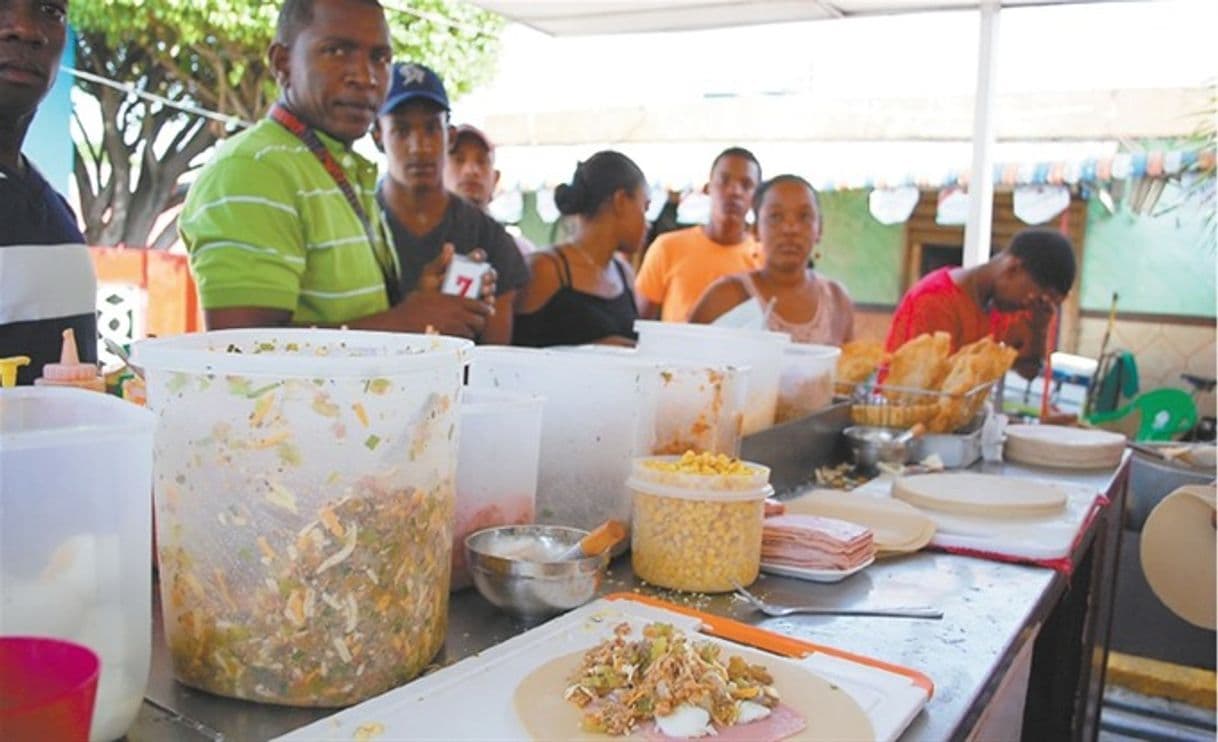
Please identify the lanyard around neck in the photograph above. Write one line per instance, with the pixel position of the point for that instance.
(305, 133)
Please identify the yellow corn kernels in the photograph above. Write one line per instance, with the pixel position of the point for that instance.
(700, 463)
(696, 545)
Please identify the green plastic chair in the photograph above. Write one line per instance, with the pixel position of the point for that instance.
(1165, 414)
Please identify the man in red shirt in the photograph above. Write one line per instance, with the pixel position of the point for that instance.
(1012, 297)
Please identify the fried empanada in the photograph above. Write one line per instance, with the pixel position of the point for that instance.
(858, 360)
(920, 363)
(967, 371)
(998, 357)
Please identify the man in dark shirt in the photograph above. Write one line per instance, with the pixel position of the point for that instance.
(426, 220)
(47, 283)
(469, 171)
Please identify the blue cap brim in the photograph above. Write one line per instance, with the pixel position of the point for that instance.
(394, 101)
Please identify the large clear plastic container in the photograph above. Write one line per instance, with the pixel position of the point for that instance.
(700, 409)
(75, 534)
(304, 493)
(699, 406)
(697, 532)
(599, 415)
(496, 465)
(756, 350)
(806, 384)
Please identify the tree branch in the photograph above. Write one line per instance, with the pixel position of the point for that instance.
(188, 51)
(168, 235)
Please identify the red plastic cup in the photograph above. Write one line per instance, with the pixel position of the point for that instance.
(47, 689)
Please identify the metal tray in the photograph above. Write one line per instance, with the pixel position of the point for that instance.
(956, 450)
(796, 448)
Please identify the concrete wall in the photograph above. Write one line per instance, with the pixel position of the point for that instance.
(1159, 263)
(859, 251)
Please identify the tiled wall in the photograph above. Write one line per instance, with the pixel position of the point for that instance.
(1163, 350)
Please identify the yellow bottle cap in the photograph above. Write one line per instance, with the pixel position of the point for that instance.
(8, 369)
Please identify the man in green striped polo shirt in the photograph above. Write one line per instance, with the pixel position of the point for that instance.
(282, 224)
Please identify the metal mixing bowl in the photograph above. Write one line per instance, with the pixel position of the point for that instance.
(872, 445)
(535, 584)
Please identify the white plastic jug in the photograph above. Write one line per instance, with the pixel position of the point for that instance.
(599, 415)
(496, 465)
(75, 534)
(760, 352)
(304, 495)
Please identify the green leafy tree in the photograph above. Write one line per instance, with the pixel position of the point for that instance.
(132, 152)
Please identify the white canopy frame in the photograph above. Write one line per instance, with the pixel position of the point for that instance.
(584, 17)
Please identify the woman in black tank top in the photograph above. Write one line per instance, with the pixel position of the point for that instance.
(582, 292)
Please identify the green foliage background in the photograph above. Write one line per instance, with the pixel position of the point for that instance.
(212, 54)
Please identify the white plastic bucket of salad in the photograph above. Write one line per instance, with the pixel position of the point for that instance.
(304, 497)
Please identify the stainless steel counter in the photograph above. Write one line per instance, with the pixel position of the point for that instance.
(991, 610)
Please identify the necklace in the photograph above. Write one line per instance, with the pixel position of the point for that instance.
(587, 258)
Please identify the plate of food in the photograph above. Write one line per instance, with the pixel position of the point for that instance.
(815, 547)
(633, 667)
(814, 575)
(661, 684)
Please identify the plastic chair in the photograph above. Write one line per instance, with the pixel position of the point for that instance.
(1160, 415)
(1166, 414)
(1115, 380)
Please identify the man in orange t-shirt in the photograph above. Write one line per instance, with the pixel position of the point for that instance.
(679, 265)
(1011, 297)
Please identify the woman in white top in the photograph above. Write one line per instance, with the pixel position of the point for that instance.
(785, 294)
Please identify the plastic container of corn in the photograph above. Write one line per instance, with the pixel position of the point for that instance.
(697, 520)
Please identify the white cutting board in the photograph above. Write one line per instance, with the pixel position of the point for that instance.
(472, 700)
(1042, 537)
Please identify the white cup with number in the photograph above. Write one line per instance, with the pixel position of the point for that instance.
(464, 277)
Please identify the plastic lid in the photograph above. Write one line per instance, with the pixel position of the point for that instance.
(69, 367)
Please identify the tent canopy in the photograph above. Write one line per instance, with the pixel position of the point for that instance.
(588, 17)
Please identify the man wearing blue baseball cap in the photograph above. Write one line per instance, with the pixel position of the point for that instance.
(427, 222)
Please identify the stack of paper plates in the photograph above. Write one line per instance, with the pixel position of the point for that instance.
(984, 495)
(1061, 447)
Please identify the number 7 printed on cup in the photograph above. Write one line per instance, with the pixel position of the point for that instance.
(464, 277)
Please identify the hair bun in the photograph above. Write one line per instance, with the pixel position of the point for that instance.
(569, 198)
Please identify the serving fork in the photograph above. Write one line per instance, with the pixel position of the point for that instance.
(777, 611)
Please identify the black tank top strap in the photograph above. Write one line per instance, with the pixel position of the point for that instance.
(564, 272)
(627, 289)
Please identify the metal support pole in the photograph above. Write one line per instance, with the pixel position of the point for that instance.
(981, 185)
